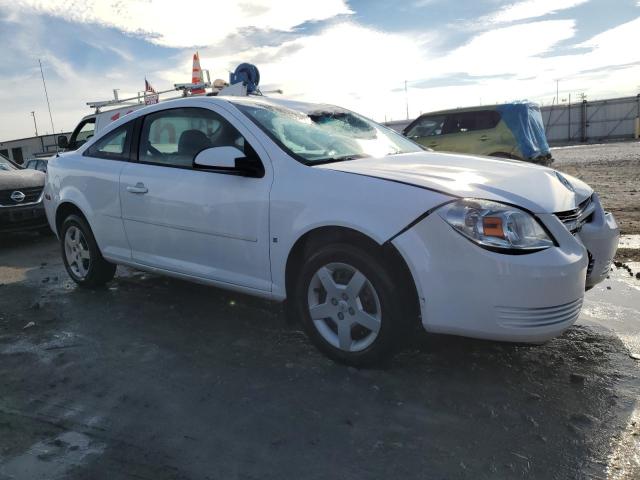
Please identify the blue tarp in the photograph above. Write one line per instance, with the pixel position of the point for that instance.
(525, 121)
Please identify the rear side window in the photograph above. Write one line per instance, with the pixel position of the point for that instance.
(426, 127)
(471, 121)
(114, 145)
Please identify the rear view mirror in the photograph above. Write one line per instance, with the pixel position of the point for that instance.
(62, 141)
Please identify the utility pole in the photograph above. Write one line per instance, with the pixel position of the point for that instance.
(35, 125)
(406, 98)
(557, 91)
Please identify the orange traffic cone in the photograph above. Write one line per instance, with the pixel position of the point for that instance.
(196, 76)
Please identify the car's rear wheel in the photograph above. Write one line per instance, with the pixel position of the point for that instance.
(81, 255)
(349, 304)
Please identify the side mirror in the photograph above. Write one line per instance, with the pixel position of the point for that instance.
(62, 141)
(227, 158)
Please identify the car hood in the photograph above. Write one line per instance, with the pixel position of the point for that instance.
(17, 179)
(535, 188)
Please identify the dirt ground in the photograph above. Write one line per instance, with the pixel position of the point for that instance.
(613, 170)
(153, 378)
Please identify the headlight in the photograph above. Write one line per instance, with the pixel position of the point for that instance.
(496, 226)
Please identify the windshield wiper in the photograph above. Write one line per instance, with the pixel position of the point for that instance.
(343, 158)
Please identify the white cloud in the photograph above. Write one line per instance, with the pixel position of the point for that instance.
(364, 69)
(509, 50)
(345, 63)
(531, 9)
(194, 23)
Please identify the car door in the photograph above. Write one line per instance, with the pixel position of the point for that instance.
(470, 132)
(96, 178)
(212, 225)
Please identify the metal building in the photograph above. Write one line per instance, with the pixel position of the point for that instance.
(25, 148)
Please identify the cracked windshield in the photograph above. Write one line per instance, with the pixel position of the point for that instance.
(326, 133)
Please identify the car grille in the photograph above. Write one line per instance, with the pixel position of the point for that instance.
(519, 317)
(31, 195)
(574, 219)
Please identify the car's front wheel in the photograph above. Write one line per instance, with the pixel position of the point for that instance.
(349, 304)
(81, 255)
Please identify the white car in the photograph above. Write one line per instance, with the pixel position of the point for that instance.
(362, 231)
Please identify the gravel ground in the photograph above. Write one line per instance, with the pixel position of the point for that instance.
(613, 170)
(153, 378)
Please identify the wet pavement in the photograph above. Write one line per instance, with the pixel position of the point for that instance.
(153, 378)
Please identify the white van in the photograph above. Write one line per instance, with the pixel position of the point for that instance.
(91, 125)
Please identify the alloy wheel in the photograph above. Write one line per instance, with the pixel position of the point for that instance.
(77, 253)
(344, 307)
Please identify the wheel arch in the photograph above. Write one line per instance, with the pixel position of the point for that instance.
(390, 255)
(65, 209)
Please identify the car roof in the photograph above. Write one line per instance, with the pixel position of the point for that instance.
(306, 107)
(476, 108)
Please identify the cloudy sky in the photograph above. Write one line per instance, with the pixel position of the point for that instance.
(355, 53)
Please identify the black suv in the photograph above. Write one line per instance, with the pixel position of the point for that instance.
(21, 205)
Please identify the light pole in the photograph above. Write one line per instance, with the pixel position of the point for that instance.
(35, 125)
(406, 98)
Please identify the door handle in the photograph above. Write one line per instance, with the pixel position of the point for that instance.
(139, 188)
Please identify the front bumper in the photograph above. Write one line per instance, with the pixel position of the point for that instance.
(23, 218)
(467, 290)
(600, 237)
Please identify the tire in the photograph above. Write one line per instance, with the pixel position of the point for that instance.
(504, 155)
(81, 255)
(326, 282)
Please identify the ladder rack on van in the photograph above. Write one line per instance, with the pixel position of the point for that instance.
(244, 81)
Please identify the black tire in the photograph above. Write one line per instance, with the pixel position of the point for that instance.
(99, 270)
(392, 298)
(504, 155)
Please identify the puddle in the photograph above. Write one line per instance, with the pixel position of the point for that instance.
(53, 458)
(615, 305)
(629, 241)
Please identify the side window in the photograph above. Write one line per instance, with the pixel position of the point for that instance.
(471, 121)
(487, 119)
(114, 145)
(174, 137)
(82, 133)
(460, 122)
(427, 127)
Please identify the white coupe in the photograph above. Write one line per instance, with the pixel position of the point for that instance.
(362, 231)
